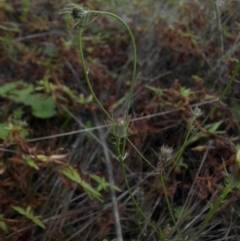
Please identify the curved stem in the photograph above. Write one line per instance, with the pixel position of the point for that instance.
(118, 140)
(133, 48)
(85, 71)
(134, 60)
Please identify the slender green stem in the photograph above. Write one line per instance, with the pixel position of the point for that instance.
(85, 71)
(214, 207)
(169, 206)
(140, 154)
(134, 59)
(119, 155)
(219, 101)
(134, 63)
(185, 143)
(133, 49)
(219, 29)
(188, 137)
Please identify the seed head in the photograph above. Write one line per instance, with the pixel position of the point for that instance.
(78, 14)
(164, 156)
(165, 153)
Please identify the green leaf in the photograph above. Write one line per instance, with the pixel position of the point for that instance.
(3, 131)
(16, 91)
(181, 212)
(22, 92)
(28, 209)
(24, 133)
(30, 162)
(29, 215)
(157, 91)
(18, 113)
(38, 222)
(3, 225)
(73, 175)
(7, 87)
(19, 210)
(185, 92)
(43, 108)
(91, 191)
(103, 185)
(214, 127)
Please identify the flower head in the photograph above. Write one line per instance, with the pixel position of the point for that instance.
(78, 14)
(165, 153)
(120, 127)
(164, 156)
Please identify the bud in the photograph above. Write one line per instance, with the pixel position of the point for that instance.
(196, 112)
(78, 14)
(120, 127)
